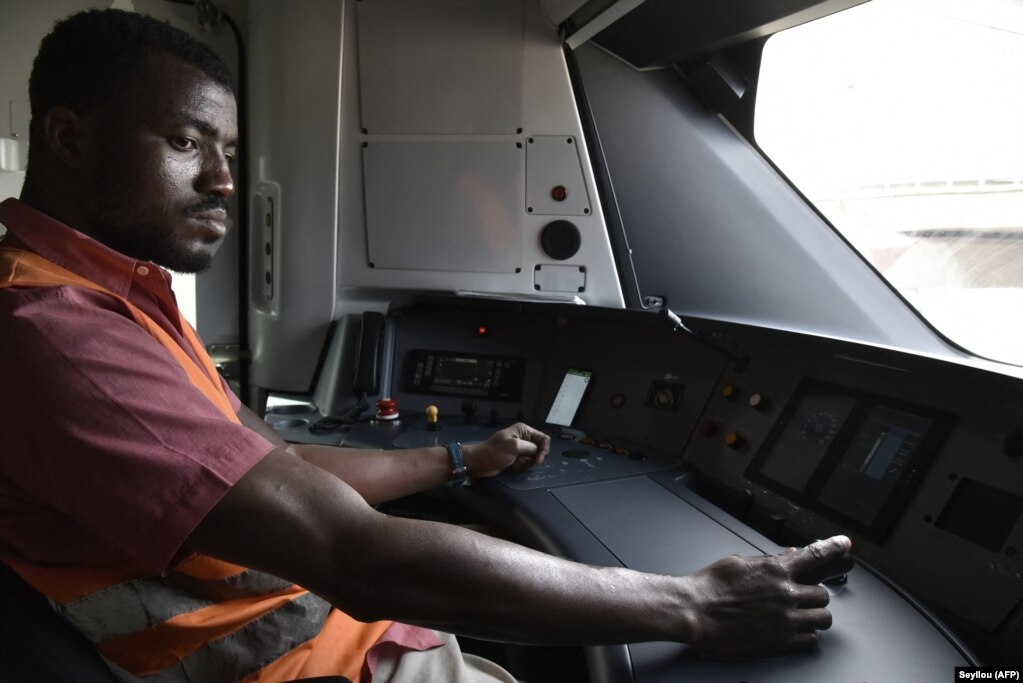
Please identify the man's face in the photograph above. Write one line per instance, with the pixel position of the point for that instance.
(158, 168)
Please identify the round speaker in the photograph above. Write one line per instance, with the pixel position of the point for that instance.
(560, 240)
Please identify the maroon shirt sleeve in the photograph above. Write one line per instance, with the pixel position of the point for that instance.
(109, 453)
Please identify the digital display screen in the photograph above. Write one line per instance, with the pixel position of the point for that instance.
(849, 455)
(873, 463)
(473, 375)
(464, 371)
(570, 395)
(806, 438)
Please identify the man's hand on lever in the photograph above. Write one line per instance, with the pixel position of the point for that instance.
(516, 448)
(765, 605)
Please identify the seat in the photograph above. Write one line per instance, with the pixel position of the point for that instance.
(36, 645)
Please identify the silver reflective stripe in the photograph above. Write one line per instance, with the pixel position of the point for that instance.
(143, 603)
(250, 648)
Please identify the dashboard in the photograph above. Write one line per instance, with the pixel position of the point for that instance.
(671, 449)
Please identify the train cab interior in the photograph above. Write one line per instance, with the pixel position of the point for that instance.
(755, 266)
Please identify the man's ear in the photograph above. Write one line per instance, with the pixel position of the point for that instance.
(64, 131)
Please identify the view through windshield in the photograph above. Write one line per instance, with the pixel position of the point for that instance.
(902, 121)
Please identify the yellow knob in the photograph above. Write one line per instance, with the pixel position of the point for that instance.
(733, 440)
(431, 414)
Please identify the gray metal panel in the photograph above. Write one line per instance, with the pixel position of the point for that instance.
(650, 529)
(717, 231)
(455, 91)
(294, 92)
(551, 161)
(548, 108)
(477, 185)
(686, 539)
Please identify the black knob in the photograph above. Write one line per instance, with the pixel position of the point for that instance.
(560, 240)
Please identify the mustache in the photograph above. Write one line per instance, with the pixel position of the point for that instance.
(208, 204)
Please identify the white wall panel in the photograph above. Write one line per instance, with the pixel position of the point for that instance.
(448, 67)
(444, 205)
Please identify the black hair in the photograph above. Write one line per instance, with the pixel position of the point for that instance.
(93, 57)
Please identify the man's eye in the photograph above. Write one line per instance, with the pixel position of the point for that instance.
(184, 143)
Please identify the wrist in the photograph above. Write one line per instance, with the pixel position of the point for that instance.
(687, 611)
(459, 467)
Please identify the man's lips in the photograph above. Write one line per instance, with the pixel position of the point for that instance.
(213, 219)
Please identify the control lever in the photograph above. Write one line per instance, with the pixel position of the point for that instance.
(432, 415)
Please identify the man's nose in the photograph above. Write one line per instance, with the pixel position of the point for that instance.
(216, 176)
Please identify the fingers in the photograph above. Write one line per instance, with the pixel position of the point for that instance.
(820, 560)
(541, 441)
(803, 642)
(809, 620)
(809, 596)
(516, 448)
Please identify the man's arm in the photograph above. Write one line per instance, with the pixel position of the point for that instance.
(285, 517)
(379, 476)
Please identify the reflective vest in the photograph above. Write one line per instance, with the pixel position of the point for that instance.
(206, 620)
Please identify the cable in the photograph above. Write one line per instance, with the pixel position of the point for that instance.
(349, 417)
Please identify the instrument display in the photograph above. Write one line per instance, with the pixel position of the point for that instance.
(853, 457)
(472, 375)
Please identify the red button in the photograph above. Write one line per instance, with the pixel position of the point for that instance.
(707, 428)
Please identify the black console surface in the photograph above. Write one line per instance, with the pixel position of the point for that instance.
(591, 502)
(575, 457)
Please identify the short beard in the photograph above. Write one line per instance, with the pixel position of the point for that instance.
(116, 228)
(148, 243)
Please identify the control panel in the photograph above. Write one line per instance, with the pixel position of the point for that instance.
(910, 456)
(919, 460)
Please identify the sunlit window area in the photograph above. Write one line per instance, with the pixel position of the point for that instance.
(184, 292)
(902, 122)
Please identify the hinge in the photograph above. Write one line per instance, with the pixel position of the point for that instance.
(652, 301)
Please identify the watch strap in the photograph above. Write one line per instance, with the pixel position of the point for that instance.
(459, 471)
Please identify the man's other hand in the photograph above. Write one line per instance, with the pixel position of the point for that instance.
(516, 448)
(766, 605)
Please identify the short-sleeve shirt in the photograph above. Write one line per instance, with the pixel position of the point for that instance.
(107, 452)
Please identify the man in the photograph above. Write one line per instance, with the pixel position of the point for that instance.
(157, 512)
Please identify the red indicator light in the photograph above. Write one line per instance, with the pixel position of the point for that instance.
(559, 193)
(482, 331)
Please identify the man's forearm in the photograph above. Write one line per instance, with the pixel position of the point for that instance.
(485, 587)
(379, 476)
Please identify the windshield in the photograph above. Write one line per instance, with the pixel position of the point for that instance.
(902, 121)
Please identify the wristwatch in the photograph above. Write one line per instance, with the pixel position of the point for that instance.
(459, 472)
